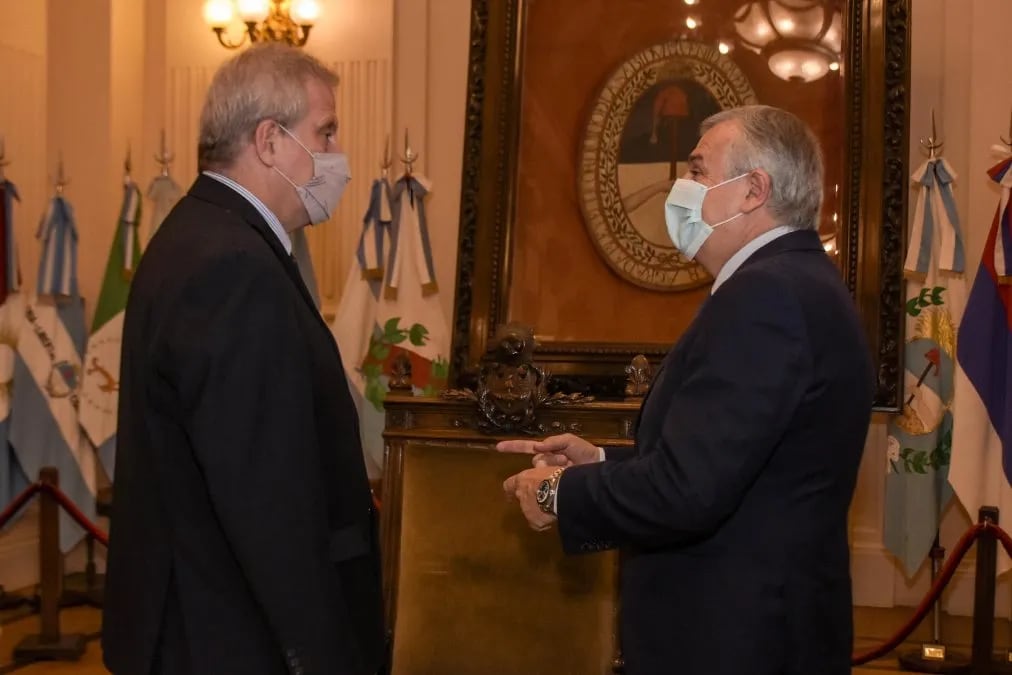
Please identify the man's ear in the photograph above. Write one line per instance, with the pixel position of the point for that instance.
(265, 139)
(759, 187)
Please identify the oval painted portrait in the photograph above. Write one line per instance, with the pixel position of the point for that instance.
(642, 128)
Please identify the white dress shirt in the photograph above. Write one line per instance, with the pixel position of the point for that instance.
(745, 252)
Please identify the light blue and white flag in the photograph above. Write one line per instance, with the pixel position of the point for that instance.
(58, 234)
(45, 429)
(355, 322)
(936, 223)
(920, 438)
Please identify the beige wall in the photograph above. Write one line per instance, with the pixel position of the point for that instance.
(23, 113)
(430, 64)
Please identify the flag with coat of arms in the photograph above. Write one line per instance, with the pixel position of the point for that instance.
(45, 429)
(981, 472)
(920, 436)
(100, 381)
(390, 307)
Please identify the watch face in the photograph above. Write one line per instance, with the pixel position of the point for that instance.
(543, 491)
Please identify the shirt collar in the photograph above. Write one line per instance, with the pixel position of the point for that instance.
(745, 252)
(268, 215)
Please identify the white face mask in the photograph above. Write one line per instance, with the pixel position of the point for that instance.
(683, 214)
(323, 191)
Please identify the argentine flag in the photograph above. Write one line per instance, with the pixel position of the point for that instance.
(44, 428)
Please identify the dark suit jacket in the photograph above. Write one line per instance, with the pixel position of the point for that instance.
(733, 512)
(243, 534)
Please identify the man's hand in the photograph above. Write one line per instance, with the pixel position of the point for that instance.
(523, 487)
(562, 450)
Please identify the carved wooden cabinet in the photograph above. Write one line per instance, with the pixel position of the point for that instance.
(470, 588)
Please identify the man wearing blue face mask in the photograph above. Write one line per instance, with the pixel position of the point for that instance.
(244, 537)
(732, 508)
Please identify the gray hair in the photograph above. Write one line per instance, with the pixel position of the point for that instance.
(266, 81)
(785, 147)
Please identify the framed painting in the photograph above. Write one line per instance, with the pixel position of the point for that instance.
(580, 115)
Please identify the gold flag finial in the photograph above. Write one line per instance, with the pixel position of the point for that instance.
(164, 157)
(932, 144)
(386, 162)
(61, 178)
(409, 155)
(127, 165)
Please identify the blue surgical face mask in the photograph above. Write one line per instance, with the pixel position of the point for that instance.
(683, 214)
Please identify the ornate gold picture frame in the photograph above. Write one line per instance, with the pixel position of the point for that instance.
(524, 158)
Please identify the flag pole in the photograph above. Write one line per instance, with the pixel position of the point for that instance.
(933, 656)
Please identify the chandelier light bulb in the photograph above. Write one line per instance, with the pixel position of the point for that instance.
(254, 10)
(218, 13)
(305, 12)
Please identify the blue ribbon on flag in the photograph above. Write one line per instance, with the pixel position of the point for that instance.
(373, 242)
(415, 191)
(935, 178)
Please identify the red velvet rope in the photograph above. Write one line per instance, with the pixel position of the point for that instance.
(944, 576)
(18, 503)
(75, 513)
(1001, 535)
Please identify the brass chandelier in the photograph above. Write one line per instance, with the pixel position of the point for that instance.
(800, 39)
(287, 21)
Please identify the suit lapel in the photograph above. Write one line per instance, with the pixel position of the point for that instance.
(210, 190)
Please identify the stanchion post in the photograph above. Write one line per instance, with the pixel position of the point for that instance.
(49, 564)
(49, 644)
(937, 557)
(934, 656)
(983, 595)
